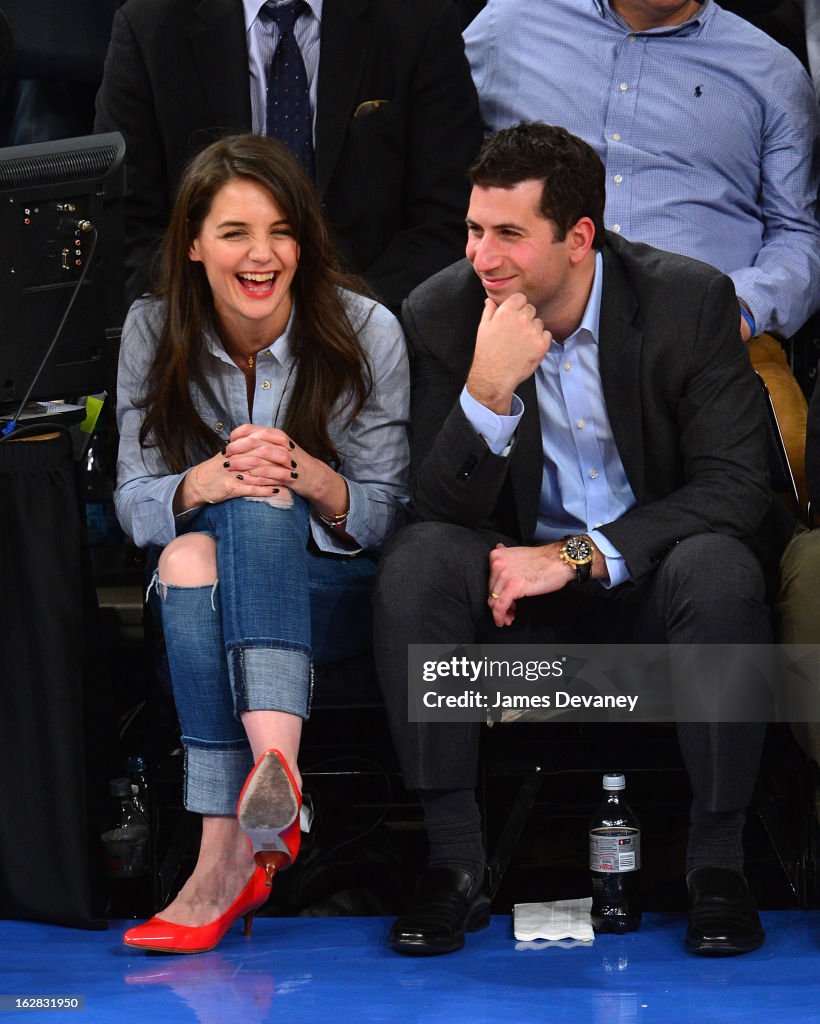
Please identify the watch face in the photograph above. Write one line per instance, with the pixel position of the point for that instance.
(578, 549)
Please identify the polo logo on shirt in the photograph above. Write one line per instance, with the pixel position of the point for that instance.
(698, 90)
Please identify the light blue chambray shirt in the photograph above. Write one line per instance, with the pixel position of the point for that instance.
(263, 37)
(374, 448)
(708, 130)
(584, 484)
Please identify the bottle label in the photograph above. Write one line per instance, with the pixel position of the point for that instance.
(126, 852)
(614, 849)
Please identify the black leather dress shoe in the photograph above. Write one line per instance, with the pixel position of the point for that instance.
(723, 919)
(444, 908)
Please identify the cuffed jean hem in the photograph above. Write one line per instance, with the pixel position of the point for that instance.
(214, 779)
(268, 678)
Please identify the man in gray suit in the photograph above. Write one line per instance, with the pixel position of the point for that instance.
(589, 464)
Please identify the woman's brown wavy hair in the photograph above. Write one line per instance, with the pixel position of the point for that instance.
(332, 369)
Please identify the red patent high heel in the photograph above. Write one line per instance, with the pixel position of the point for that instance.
(268, 812)
(167, 937)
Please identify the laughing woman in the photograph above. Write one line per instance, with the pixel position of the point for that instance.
(262, 408)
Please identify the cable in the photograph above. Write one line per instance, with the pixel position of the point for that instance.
(11, 426)
(35, 429)
(127, 719)
(317, 857)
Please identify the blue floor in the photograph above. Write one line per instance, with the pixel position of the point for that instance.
(313, 970)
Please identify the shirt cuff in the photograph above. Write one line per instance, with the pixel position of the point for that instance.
(753, 298)
(615, 564)
(496, 430)
(327, 540)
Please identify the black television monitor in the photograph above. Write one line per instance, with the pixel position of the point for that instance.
(61, 223)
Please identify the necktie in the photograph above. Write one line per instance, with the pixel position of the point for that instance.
(288, 108)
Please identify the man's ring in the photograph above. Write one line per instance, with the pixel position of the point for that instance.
(494, 596)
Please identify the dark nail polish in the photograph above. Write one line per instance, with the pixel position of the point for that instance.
(292, 464)
(227, 465)
(295, 476)
(239, 476)
(275, 490)
(291, 444)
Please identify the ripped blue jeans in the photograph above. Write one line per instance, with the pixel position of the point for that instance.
(249, 641)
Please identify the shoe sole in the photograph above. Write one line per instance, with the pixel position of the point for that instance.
(723, 949)
(268, 802)
(476, 922)
(171, 951)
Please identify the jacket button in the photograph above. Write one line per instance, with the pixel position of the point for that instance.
(469, 465)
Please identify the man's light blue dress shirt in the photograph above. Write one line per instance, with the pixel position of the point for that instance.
(584, 484)
(708, 130)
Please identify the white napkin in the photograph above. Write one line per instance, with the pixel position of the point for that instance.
(560, 919)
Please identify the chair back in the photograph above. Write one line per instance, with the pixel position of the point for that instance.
(782, 478)
(58, 40)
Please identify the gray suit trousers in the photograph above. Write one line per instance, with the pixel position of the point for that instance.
(432, 588)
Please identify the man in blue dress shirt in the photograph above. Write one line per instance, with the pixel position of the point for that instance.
(708, 129)
(588, 464)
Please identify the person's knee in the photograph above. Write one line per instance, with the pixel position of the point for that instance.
(189, 561)
(713, 566)
(796, 617)
(421, 559)
(711, 589)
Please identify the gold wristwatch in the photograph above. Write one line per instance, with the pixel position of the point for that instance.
(578, 551)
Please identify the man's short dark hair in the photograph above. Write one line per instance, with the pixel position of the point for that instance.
(571, 170)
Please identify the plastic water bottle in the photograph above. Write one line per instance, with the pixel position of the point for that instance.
(615, 861)
(126, 845)
(136, 769)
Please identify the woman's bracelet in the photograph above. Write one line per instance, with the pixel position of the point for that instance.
(334, 522)
(197, 488)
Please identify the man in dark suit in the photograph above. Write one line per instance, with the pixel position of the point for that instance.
(588, 465)
(395, 119)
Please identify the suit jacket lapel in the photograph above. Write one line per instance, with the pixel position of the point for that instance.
(346, 33)
(219, 48)
(619, 358)
(619, 354)
(527, 461)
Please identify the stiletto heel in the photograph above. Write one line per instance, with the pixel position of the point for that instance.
(167, 937)
(271, 861)
(268, 812)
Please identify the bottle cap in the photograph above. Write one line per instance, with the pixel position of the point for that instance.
(120, 787)
(614, 780)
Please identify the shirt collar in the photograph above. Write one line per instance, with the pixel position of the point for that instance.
(604, 9)
(591, 320)
(253, 7)
(280, 350)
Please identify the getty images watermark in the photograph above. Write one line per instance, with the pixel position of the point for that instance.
(614, 682)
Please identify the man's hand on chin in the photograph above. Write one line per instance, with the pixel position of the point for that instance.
(510, 343)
